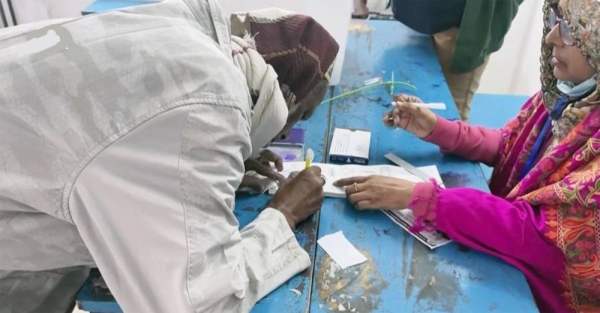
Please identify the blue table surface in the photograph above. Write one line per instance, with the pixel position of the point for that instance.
(106, 5)
(401, 274)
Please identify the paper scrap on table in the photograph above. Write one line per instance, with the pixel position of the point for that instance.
(374, 80)
(341, 250)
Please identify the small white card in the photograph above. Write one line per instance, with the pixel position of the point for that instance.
(341, 250)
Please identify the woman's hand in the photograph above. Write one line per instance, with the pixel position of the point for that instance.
(377, 192)
(300, 196)
(418, 121)
(262, 165)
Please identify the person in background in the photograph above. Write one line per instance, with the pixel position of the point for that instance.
(123, 138)
(542, 216)
(465, 33)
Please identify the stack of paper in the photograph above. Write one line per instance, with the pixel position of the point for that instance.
(404, 218)
(335, 172)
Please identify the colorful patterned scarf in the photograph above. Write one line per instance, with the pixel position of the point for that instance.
(300, 50)
(565, 183)
(582, 16)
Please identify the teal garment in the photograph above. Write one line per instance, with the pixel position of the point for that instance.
(482, 30)
(429, 16)
(580, 90)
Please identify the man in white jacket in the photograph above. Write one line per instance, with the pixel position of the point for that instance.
(123, 138)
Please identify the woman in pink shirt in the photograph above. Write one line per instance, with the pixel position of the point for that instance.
(542, 215)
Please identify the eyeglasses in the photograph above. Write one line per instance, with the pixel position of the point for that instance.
(563, 27)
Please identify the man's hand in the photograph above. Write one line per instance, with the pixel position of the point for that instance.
(300, 196)
(265, 158)
(262, 166)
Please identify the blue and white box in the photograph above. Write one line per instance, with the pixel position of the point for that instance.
(350, 146)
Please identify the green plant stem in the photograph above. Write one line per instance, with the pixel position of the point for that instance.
(358, 90)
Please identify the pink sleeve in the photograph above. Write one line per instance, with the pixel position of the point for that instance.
(475, 143)
(510, 230)
(458, 209)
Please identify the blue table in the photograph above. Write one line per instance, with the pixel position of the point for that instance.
(401, 275)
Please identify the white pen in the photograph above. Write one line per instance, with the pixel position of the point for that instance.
(431, 106)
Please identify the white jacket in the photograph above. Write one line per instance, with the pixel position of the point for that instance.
(121, 147)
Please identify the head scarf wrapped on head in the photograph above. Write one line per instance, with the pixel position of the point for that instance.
(285, 57)
(565, 183)
(583, 18)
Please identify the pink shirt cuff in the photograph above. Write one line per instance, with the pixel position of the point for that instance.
(423, 204)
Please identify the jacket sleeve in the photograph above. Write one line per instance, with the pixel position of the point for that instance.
(512, 231)
(475, 143)
(155, 209)
(469, 216)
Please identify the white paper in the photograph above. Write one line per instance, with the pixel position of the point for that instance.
(341, 250)
(349, 142)
(335, 172)
(404, 218)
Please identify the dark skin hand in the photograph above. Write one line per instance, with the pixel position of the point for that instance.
(300, 196)
(263, 166)
(377, 192)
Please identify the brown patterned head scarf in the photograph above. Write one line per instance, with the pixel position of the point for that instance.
(300, 50)
(583, 17)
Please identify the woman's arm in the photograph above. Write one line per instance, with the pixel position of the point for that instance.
(475, 143)
(511, 231)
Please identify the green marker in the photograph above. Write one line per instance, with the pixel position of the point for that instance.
(392, 87)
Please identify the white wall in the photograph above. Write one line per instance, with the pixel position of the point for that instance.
(515, 69)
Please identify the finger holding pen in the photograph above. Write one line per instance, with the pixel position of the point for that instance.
(412, 117)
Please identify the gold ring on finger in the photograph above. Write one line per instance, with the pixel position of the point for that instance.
(356, 187)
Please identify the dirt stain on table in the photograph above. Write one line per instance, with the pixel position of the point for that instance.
(356, 289)
(435, 290)
(452, 179)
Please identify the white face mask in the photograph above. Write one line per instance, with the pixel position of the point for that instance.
(579, 90)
